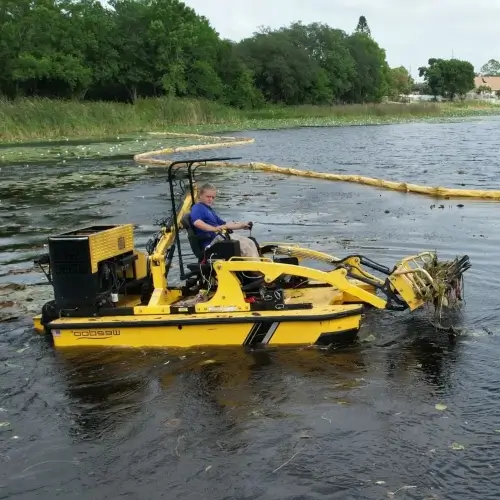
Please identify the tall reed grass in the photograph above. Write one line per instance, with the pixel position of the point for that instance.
(39, 118)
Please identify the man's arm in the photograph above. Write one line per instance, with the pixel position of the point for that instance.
(198, 214)
(236, 225)
(203, 226)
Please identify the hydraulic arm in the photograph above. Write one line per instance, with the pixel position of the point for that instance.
(408, 285)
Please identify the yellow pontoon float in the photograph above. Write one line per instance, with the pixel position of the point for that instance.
(108, 293)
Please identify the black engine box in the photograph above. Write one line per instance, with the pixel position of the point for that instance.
(70, 267)
(78, 262)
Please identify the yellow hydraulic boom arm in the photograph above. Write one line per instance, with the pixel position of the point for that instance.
(407, 285)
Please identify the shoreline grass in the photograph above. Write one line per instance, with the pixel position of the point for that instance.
(36, 119)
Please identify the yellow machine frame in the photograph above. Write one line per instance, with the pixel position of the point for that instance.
(349, 284)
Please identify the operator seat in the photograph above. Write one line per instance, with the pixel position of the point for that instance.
(220, 250)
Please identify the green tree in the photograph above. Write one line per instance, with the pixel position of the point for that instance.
(131, 42)
(362, 27)
(238, 82)
(371, 83)
(93, 26)
(330, 49)
(127, 49)
(193, 44)
(284, 71)
(483, 88)
(448, 77)
(164, 46)
(401, 82)
(433, 77)
(491, 68)
(41, 53)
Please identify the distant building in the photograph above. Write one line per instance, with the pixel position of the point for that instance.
(487, 86)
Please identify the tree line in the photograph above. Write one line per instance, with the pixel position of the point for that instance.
(82, 49)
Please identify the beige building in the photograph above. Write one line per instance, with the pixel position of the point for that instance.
(493, 82)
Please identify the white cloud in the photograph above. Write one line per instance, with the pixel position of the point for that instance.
(410, 32)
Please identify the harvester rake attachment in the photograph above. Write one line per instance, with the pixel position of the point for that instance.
(421, 279)
(414, 281)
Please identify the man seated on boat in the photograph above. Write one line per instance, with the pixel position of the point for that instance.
(209, 225)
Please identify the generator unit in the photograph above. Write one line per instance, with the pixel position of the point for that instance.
(90, 267)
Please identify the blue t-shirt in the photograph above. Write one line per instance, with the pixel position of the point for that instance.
(200, 211)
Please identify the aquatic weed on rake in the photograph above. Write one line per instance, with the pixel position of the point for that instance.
(448, 282)
(434, 282)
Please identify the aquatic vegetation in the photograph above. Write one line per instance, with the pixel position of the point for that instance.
(39, 118)
(46, 187)
(76, 165)
(448, 282)
(62, 151)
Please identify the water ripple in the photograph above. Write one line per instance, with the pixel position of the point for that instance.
(358, 423)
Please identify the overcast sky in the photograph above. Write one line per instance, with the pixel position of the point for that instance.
(411, 32)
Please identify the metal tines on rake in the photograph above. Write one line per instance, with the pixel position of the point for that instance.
(415, 270)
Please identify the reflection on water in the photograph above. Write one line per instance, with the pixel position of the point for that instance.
(355, 422)
(225, 419)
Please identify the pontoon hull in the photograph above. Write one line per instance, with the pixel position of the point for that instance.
(316, 326)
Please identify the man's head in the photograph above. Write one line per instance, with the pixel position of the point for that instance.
(207, 194)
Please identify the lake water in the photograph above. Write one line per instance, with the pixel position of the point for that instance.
(353, 423)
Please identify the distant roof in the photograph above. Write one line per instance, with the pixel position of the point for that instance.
(490, 81)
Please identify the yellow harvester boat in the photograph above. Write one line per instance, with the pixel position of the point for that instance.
(108, 293)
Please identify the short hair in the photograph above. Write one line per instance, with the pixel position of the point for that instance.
(207, 187)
